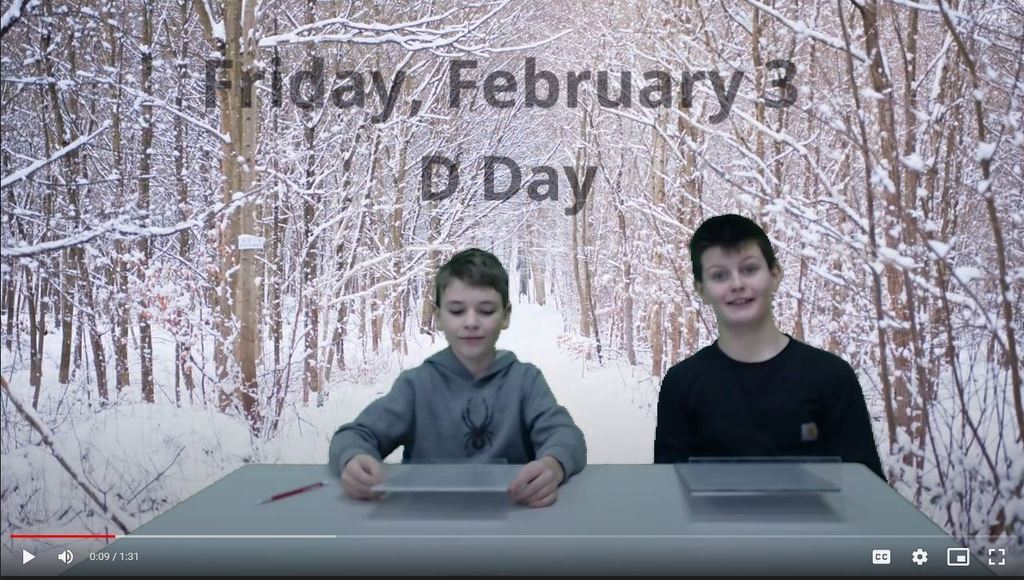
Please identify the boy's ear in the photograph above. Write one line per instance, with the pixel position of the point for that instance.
(699, 287)
(505, 319)
(776, 272)
(435, 311)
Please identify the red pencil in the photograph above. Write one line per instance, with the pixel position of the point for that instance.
(285, 494)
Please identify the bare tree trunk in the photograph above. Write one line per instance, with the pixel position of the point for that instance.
(242, 44)
(11, 291)
(337, 347)
(62, 137)
(36, 331)
(311, 368)
(119, 263)
(655, 323)
(523, 268)
(427, 304)
(275, 243)
(274, 283)
(397, 244)
(539, 284)
(375, 298)
(588, 281)
(578, 246)
(798, 323)
(755, 44)
(183, 345)
(9, 294)
(66, 320)
(925, 381)
(121, 321)
(675, 332)
(239, 110)
(654, 329)
(376, 315)
(627, 283)
(99, 355)
(690, 211)
(311, 256)
(220, 295)
(145, 168)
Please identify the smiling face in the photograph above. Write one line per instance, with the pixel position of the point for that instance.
(738, 284)
(471, 318)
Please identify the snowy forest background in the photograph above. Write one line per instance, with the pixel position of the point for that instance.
(145, 355)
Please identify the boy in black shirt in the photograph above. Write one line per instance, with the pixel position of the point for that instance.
(756, 391)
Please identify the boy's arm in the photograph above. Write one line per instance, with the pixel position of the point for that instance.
(382, 426)
(848, 433)
(672, 441)
(551, 428)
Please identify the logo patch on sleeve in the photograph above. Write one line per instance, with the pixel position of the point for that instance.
(808, 432)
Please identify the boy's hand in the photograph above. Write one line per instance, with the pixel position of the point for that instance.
(537, 483)
(361, 473)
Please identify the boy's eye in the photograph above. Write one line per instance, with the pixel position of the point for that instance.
(718, 276)
(487, 312)
(455, 312)
(751, 269)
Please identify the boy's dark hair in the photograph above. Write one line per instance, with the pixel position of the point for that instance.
(730, 231)
(476, 268)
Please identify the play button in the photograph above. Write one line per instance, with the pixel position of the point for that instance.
(26, 557)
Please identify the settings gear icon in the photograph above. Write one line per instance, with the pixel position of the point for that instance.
(919, 556)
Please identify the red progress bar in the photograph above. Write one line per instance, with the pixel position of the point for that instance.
(63, 536)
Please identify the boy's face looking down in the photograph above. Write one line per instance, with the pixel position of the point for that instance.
(738, 284)
(471, 318)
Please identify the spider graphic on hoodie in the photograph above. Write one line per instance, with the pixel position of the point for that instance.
(478, 433)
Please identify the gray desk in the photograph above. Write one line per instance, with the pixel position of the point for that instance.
(610, 519)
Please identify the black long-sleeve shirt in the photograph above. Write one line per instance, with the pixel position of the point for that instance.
(802, 401)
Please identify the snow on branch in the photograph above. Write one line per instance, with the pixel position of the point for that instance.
(26, 172)
(368, 27)
(122, 228)
(14, 12)
(802, 29)
(145, 99)
(959, 16)
(214, 28)
(416, 35)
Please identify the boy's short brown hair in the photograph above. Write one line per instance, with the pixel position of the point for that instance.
(474, 267)
(730, 231)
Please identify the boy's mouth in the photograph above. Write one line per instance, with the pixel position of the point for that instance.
(739, 302)
(472, 338)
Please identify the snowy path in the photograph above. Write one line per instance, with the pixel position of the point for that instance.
(604, 402)
(607, 403)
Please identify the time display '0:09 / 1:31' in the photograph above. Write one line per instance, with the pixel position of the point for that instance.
(114, 556)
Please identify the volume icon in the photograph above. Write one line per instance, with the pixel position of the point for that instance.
(67, 556)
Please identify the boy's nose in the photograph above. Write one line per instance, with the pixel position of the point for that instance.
(735, 281)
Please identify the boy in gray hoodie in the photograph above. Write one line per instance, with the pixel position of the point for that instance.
(468, 401)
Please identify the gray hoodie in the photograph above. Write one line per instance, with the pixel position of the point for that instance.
(439, 412)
